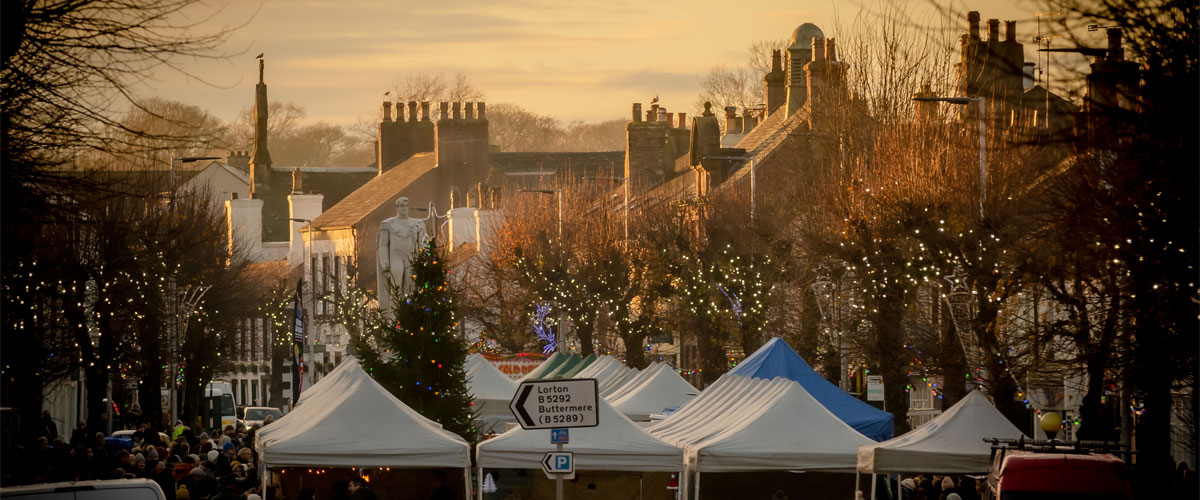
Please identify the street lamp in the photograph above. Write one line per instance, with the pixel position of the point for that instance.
(982, 138)
(178, 304)
(558, 194)
(304, 262)
(961, 303)
(829, 301)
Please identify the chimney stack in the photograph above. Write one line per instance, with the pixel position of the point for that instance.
(731, 121)
(818, 49)
(637, 112)
(776, 93)
(1115, 51)
(973, 24)
(993, 30)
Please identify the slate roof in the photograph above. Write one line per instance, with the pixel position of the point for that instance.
(375, 193)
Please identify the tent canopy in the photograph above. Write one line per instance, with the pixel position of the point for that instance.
(742, 424)
(486, 382)
(952, 443)
(354, 422)
(777, 359)
(327, 381)
(549, 364)
(661, 389)
(616, 444)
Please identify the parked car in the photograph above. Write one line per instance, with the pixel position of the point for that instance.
(255, 415)
(109, 489)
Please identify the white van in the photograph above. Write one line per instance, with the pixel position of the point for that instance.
(219, 407)
(110, 489)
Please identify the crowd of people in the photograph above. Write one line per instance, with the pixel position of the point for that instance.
(931, 487)
(217, 464)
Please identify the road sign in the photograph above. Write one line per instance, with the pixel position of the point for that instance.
(560, 436)
(874, 388)
(559, 462)
(556, 404)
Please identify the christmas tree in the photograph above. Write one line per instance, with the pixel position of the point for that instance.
(422, 359)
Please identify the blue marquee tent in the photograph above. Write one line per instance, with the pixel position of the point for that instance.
(777, 359)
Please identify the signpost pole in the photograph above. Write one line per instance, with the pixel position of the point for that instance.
(558, 494)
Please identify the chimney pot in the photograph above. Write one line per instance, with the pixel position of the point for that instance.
(481, 110)
(297, 181)
(470, 113)
(670, 120)
(445, 115)
(818, 49)
(993, 30)
(682, 120)
(973, 24)
(662, 114)
(412, 111)
(425, 111)
(387, 111)
(776, 60)
(830, 50)
(1010, 31)
(637, 112)
(649, 116)
(456, 110)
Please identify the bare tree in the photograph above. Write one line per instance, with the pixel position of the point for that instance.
(434, 87)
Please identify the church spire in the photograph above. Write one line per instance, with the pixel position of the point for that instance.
(260, 160)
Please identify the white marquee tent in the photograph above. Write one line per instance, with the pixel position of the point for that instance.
(491, 391)
(952, 443)
(352, 421)
(329, 380)
(741, 424)
(662, 388)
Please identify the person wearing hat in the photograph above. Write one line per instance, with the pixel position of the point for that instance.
(182, 493)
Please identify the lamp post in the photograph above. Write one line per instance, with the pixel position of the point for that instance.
(982, 139)
(1050, 423)
(178, 304)
(304, 256)
(829, 301)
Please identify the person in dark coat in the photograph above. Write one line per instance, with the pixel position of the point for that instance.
(79, 436)
(360, 490)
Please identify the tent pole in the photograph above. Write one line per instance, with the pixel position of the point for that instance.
(872, 486)
(899, 489)
(467, 483)
(857, 477)
(697, 484)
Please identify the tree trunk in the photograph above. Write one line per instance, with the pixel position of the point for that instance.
(889, 344)
(954, 366)
(810, 324)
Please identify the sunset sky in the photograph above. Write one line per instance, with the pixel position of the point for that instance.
(576, 60)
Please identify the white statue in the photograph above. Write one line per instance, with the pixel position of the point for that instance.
(399, 239)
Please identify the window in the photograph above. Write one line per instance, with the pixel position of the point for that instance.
(243, 393)
(312, 284)
(337, 276)
(266, 338)
(254, 392)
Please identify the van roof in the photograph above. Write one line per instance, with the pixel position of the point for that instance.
(1063, 473)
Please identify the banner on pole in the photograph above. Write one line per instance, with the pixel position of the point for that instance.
(298, 341)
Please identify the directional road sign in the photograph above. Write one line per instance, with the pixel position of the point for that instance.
(558, 462)
(556, 404)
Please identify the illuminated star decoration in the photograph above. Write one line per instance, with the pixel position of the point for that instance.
(543, 330)
(733, 302)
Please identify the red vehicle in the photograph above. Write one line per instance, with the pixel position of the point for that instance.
(1038, 470)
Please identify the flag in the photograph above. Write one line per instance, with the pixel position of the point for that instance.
(298, 341)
